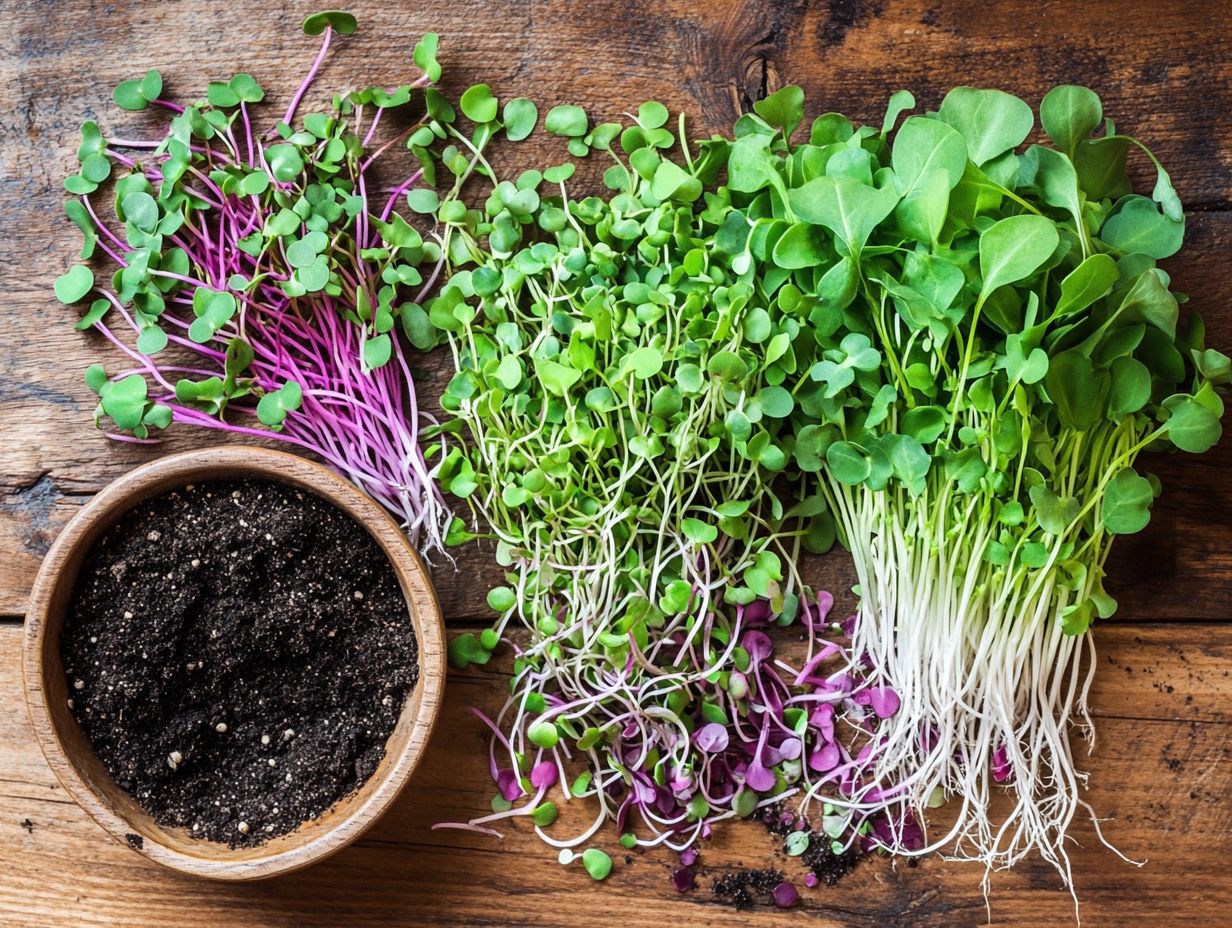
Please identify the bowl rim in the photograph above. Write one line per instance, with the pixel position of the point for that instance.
(217, 463)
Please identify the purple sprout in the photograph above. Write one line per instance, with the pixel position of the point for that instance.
(275, 273)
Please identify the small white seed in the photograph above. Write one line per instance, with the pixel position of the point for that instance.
(359, 594)
(288, 734)
(196, 562)
(79, 684)
(265, 739)
(220, 727)
(243, 828)
(154, 535)
(128, 615)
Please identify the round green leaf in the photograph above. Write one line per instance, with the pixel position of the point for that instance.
(775, 402)
(128, 96)
(519, 116)
(1125, 508)
(652, 115)
(847, 463)
(569, 121)
(597, 863)
(1191, 426)
(340, 21)
(478, 104)
(74, 284)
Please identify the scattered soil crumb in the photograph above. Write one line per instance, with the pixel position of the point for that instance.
(238, 653)
(743, 887)
(136, 842)
(28, 825)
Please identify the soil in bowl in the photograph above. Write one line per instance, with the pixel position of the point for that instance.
(238, 653)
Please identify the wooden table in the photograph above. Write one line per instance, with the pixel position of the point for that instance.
(1162, 771)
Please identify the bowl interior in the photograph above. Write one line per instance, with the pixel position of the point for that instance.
(79, 768)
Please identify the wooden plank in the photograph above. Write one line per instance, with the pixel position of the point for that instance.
(1162, 773)
(1168, 81)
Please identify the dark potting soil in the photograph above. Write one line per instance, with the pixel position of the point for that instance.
(819, 858)
(743, 887)
(238, 653)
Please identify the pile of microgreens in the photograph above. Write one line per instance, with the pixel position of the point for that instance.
(959, 348)
(947, 351)
(611, 378)
(993, 347)
(265, 274)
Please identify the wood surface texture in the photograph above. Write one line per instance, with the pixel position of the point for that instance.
(1162, 768)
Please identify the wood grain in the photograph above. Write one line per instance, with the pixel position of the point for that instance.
(1164, 694)
(1162, 774)
(81, 772)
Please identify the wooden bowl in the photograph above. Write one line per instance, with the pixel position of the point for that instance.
(81, 772)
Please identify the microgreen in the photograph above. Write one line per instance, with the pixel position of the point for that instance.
(953, 348)
(274, 268)
(616, 391)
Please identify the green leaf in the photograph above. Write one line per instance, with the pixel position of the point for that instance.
(520, 116)
(272, 408)
(924, 423)
(425, 56)
(128, 96)
(1070, 114)
(341, 22)
(929, 158)
(285, 162)
(1130, 389)
(698, 531)
(566, 120)
(597, 863)
(1136, 226)
(1075, 389)
(124, 401)
(208, 393)
(775, 402)
(74, 284)
(800, 246)
(1191, 426)
(221, 95)
(900, 101)
(377, 351)
(783, 109)
(923, 146)
(151, 340)
(848, 463)
(1150, 301)
(465, 650)
(556, 378)
(1126, 506)
(99, 309)
(671, 180)
(151, 85)
(478, 104)
(140, 210)
(992, 121)
(247, 89)
(1013, 249)
(848, 208)
(509, 372)
(1088, 282)
(645, 362)
(1053, 513)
